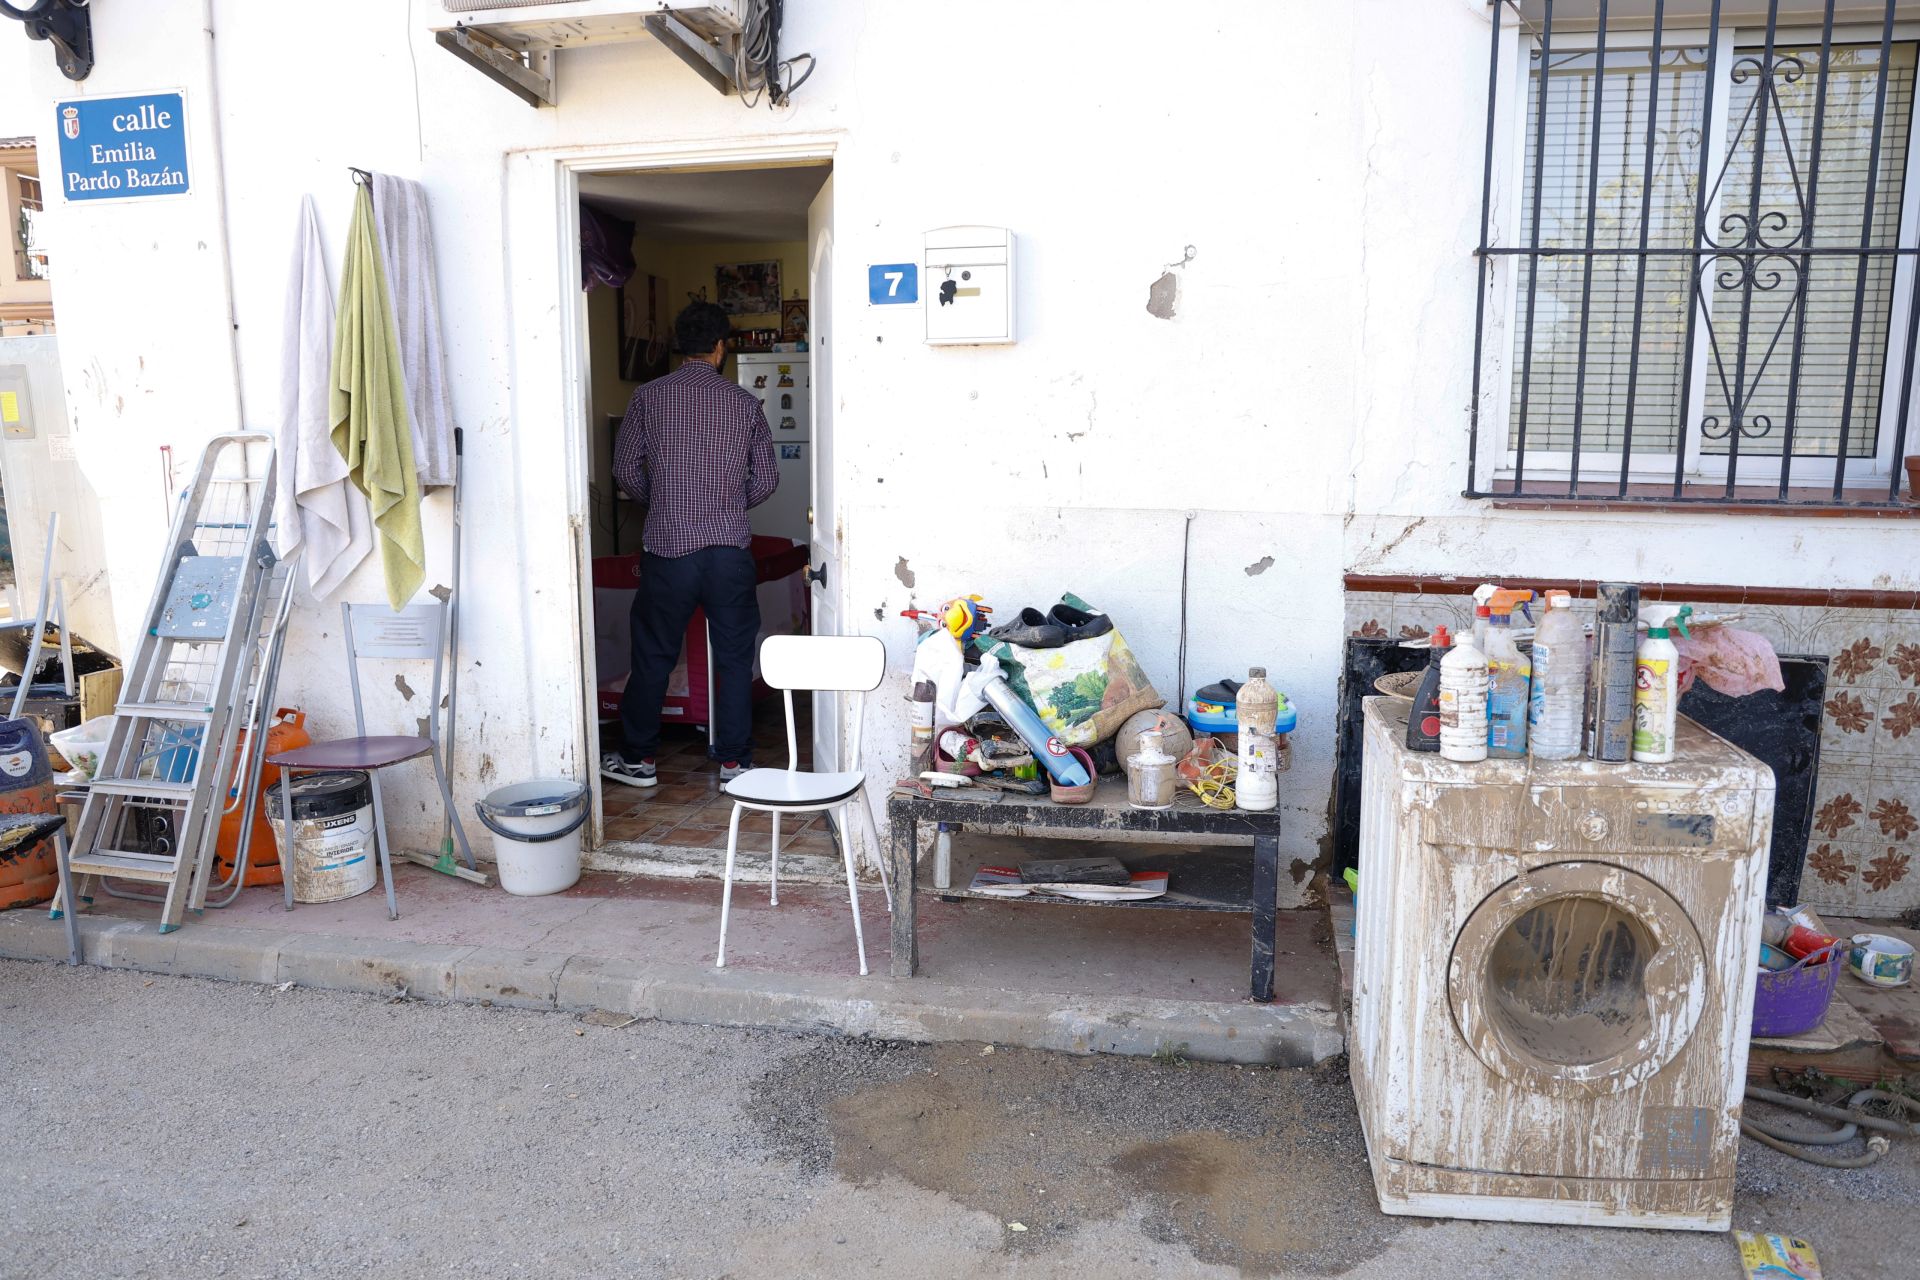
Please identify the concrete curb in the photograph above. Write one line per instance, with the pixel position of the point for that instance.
(915, 1010)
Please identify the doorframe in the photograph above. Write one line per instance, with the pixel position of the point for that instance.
(541, 195)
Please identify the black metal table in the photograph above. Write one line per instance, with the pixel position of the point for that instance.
(1109, 815)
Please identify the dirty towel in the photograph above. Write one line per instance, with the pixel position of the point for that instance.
(406, 251)
(1731, 661)
(369, 408)
(320, 509)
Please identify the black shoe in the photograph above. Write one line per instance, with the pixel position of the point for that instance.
(1031, 630)
(1078, 624)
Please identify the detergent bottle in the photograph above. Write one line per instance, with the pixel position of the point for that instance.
(1423, 722)
(1656, 683)
(1509, 679)
(1558, 705)
(1463, 703)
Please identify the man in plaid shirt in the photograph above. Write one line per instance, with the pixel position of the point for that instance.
(695, 451)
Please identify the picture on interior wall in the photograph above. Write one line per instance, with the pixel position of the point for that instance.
(747, 288)
(793, 320)
(643, 328)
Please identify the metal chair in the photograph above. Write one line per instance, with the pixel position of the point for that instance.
(836, 664)
(375, 631)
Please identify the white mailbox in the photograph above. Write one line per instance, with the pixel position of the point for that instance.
(967, 291)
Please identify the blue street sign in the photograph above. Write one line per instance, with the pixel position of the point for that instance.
(893, 282)
(120, 148)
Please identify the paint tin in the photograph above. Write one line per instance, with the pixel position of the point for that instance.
(1882, 960)
(333, 849)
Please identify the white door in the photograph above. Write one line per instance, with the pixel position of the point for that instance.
(826, 583)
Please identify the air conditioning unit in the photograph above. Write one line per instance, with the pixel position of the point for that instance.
(513, 42)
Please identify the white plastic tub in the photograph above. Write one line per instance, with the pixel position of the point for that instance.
(83, 745)
(536, 827)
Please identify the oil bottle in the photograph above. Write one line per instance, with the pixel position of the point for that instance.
(1257, 712)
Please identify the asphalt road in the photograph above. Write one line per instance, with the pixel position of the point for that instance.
(184, 1128)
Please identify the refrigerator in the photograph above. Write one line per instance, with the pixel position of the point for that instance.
(783, 383)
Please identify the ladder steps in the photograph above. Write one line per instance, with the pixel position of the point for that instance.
(125, 865)
(167, 710)
(178, 792)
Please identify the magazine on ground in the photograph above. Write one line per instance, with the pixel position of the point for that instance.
(1005, 882)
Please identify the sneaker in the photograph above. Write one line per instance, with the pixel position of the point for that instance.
(635, 773)
(731, 769)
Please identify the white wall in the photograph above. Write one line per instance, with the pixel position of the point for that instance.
(42, 478)
(1308, 399)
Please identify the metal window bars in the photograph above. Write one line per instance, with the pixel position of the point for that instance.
(1682, 152)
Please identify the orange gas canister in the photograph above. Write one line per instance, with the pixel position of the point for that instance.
(263, 859)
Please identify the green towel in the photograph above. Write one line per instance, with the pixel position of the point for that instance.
(369, 407)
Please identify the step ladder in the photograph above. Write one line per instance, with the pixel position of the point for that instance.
(152, 813)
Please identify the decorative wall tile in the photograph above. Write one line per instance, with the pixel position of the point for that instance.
(1898, 737)
(1851, 725)
(1368, 613)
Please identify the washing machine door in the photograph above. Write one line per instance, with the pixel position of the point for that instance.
(1577, 978)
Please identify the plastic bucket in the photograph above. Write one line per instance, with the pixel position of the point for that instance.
(537, 834)
(1795, 1000)
(333, 849)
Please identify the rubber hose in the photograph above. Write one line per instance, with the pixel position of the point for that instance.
(1876, 1147)
(1830, 1138)
(1847, 1114)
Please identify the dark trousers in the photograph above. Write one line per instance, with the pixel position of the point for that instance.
(720, 580)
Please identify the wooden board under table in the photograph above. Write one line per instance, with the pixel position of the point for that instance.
(1107, 816)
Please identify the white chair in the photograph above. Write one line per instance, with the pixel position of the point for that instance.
(836, 664)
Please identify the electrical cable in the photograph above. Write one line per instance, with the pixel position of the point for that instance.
(757, 66)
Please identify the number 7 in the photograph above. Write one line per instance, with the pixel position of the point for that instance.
(893, 279)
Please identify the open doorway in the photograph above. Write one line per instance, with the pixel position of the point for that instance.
(755, 240)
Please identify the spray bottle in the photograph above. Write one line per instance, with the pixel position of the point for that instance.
(1423, 722)
(1559, 700)
(1482, 613)
(1509, 679)
(1656, 683)
(1463, 703)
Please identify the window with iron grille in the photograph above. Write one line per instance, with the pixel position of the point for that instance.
(1697, 253)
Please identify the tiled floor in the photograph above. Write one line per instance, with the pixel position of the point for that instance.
(687, 811)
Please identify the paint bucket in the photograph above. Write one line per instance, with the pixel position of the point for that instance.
(537, 829)
(333, 833)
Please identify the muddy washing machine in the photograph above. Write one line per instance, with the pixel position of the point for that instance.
(1553, 980)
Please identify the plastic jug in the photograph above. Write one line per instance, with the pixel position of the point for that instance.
(1558, 704)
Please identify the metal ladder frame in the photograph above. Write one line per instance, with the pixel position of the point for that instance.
(146, 705)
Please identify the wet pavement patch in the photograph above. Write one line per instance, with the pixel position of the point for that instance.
(1257, 1168)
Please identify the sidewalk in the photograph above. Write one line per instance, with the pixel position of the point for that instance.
(1092, 980)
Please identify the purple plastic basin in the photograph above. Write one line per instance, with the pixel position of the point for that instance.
(1795, 1000)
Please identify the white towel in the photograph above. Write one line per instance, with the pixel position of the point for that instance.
(319, 507)
(406, 250)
